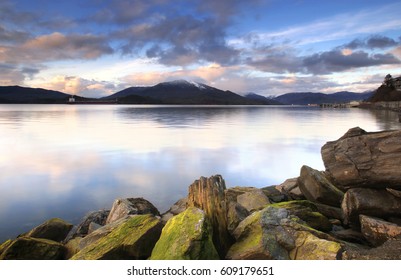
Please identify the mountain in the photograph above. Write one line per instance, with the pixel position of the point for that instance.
(182, 92)
(305, 98)
(262, 99)
(26, 95)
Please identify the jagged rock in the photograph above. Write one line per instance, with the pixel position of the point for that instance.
(372, 202)
(394, 192)
(186, 236)
(208, 195)
(378, 231)
(273, 233)
(291, 189)
(133, 239)
(54, 229)
(123, 207)
(316, 187)
(362, 159)
(99, 217)
(250, 198)
(330, 211)
(349, 235)
(29, 248)
(306, 211)
(175, 209)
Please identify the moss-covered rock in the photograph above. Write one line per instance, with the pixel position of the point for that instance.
(133, 239)
(308, 212)
(187, 236)
(28, 248)
(274, 233)
(54, 229)
(310, 247)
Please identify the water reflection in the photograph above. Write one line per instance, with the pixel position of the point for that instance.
(66, 160)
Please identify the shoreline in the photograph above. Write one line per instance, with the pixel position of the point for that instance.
(332, 214)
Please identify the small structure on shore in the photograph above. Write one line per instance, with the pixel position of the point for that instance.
(71, 99)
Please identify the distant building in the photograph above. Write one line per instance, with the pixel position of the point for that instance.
(71, 99)
(389, 81)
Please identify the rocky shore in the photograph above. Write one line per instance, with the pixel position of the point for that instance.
(351, 210)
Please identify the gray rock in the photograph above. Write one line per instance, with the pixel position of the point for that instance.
(123, 207)
(99, 217)
(291, 189)
(362, 159)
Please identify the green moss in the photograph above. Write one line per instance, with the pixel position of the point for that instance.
(187, 236)
(310, 247)
(134, 238)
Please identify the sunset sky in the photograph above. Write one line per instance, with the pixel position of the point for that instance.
(96, 47)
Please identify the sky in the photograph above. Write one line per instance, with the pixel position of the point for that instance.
(94, 48)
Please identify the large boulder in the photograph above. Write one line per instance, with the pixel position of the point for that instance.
(29, 248)
(316, 187)
(371, 202)
(175, 209)
(360, 159)
(378, 231)
(208, 195)
(54, 229)
(123, 207)
(186, 236)
(133, 239)
(273, 233)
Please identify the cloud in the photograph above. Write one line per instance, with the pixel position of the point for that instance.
(373, 42)
(56, 46)
(336, 61)
(11, 74)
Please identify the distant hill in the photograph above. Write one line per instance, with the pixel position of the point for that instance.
(385, 93)
(305, 98)
(262, 99)
(182, 92)
(26, 95)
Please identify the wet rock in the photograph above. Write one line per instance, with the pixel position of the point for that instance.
(133, 239)
(54, 229)
(186, 236)
(378, 231)
(29, 248)
(123, 207)
(362, 159)
(371, 202)
(208, 195)
(316, 187)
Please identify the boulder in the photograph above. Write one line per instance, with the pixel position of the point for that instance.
(123, 207)
(54, 229)
(291, 189)
(390, 250)
(316, 187)
(378, 231)
(273, 194)
(273, 233)
(371, 202)
(306, 211)
(208, 195)
(82, 229)
(29, 248)
(250, 198)
(132, 239)
(186, 236)
(362, 159)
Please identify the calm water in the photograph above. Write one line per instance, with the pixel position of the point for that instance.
(63, 160)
